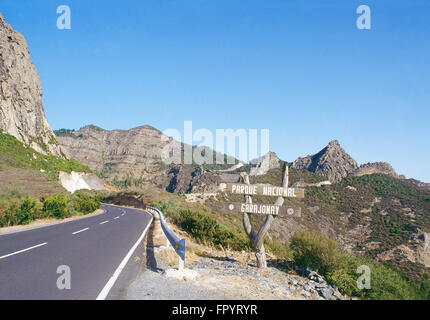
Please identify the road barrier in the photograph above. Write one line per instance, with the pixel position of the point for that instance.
(177, 244)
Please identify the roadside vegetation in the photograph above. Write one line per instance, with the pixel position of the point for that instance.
(305, 249)
(15, 154)
(209, 224)
(315, 250)
(204, 228)
(17, 208)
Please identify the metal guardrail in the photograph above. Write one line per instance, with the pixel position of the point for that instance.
(177, 243)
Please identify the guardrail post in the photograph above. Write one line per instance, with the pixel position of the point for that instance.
(177, 244)
(181, 254)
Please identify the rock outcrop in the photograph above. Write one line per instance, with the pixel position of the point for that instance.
(331, 162)
(21, 110)
(186, 180)
(263, 164)
(374, 168)
(79, 180)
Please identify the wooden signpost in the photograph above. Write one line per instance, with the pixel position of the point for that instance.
(264, 209)
(269, 210)
(263, 190)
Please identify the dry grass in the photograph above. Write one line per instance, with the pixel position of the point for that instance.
(27, 181)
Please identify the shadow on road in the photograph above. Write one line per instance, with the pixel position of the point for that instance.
(151, 262)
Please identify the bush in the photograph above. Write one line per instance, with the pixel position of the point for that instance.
(7, 216)
(25, 213)
(86, 203)
(204, 228)
(315, 250)
(56, 206)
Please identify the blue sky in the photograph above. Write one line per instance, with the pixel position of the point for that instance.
(299, 68)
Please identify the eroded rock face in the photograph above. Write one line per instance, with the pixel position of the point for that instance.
(186, 180)
(21, 110)
(374, 168)
(331, 162)
(117, 153)
(263, 164)
(78, 180)
(135, 154)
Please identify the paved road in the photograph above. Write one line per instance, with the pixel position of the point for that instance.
(94, 248)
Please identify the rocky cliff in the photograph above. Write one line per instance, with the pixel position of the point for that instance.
(118, 155)
(331, 162)
(133, 158)
(21, 110)
(265, 163)
(374, 168)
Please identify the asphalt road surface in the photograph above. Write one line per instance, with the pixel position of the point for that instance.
(99, 251)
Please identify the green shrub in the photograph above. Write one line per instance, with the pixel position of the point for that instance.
(316, 250)
(7, 215)
(85, 203)
(25, 213)
(204, 228)
(312, 249)
(56, 206)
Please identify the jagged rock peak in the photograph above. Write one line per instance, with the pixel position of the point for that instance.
(21, 110)
(331, 162)
(263, 164)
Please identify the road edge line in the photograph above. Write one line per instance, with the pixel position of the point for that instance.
(106, 289)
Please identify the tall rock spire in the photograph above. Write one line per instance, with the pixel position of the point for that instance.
(21, 110)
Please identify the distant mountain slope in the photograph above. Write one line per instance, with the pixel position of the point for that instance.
(334, 163)
(133, 158)
(331, 162)
(21, 110)
(378, 215)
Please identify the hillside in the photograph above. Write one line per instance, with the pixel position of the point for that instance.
(25, 170)
(132, 158)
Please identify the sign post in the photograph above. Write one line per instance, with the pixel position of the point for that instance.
(269, 210)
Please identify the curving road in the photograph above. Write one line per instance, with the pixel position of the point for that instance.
(102, 253)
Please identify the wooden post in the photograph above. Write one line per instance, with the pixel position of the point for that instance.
(257, 238)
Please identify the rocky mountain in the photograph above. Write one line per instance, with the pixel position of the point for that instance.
(265, 163)
(21, 110)
(331, 162)
(133, 158)
(334, 163)
(374, 168)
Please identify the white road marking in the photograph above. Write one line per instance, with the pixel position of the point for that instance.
(104, 222)
(116, 217)
(105, 291)
(82, 230)
(23, 250)
(122, 214)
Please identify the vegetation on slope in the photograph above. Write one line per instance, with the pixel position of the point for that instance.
(15, 154)
(313, 249)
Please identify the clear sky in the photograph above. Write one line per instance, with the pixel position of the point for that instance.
(300, 68)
